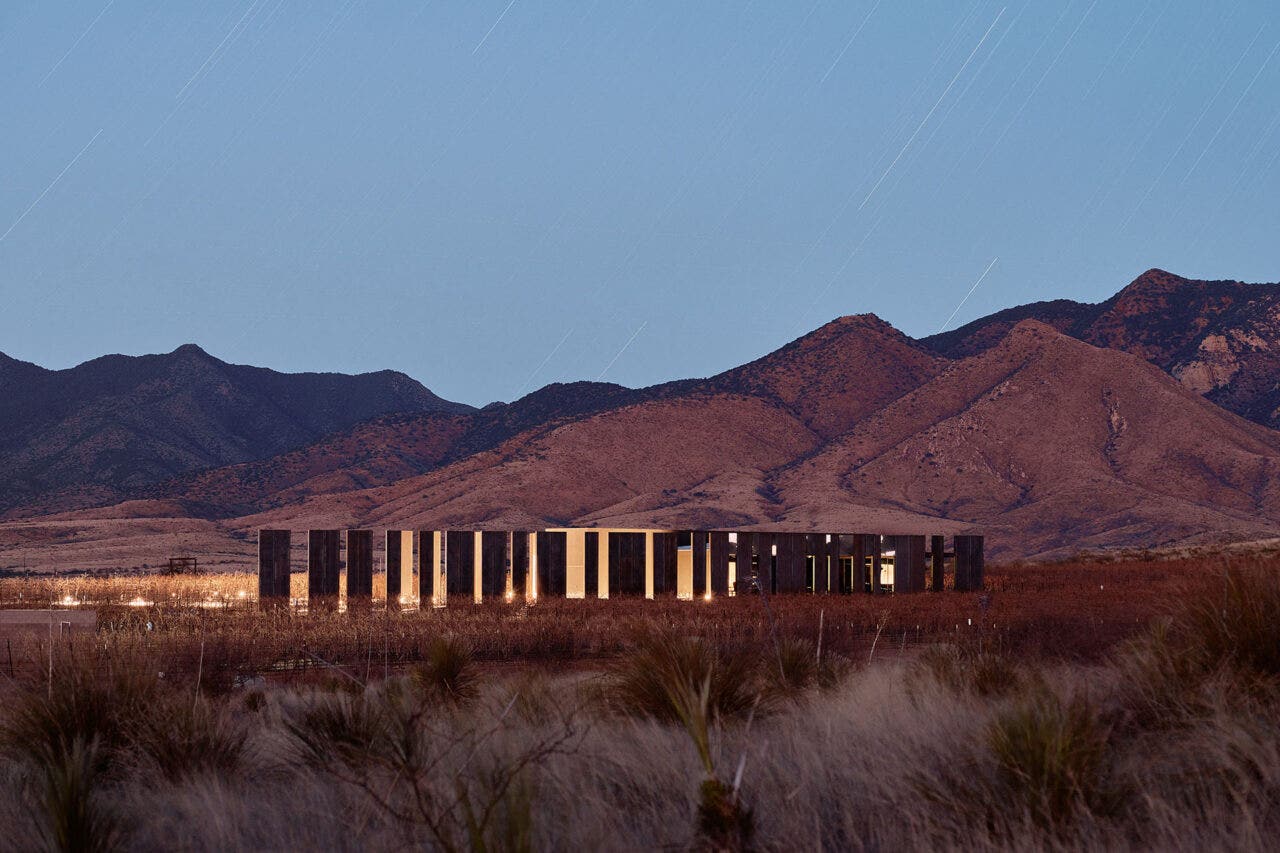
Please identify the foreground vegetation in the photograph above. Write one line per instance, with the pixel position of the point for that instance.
(689, 727)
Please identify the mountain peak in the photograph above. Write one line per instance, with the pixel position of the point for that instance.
(191, 351)
(1152, 283)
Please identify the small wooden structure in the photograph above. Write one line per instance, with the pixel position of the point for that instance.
(183, 566)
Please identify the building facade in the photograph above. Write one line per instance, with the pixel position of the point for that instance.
(442, 567)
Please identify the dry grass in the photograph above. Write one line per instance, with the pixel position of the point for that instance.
(1158, 728)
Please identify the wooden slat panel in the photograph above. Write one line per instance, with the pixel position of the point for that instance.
(393, 569)
(719, 562)
(765, 577)
(359, 569)
(873, 546)
(552, 554)
(744, 562)
(460, 567)
(273, 567)
(937, 561)
(849, 546)
(433, 568)
(626, 564)
(591, 564)
(699, 563)
(493, 564)
(789, 563)
(970, 564)
(908, 563)
(519, 561)
(323, 568)
(816, 548)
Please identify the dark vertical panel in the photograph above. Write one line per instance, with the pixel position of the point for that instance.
(659, 561)
(817, 552)
(765, 576)
(719, 562)
(359, 569)
(519, 561)
(908, 563)
(833, 557)
(393, 569)
(789, 563)
(849, 547)
(552, 565)
(493, 563)
(874, 546)
(273, 567)
(323, 568)
(460, 578)
(937, 561)
(699, 563)
(659, 564)
(591, 564)
(745, 570)
(668, 548)
(970, 564)
(429, 569)
(626, 564)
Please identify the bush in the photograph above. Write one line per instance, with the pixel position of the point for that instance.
(74, 816)
(83, 704)
(1240, 626)
(645, 682)
(179, 739)
(448, 673)
(977, 667)
(798, 668)
(1050, 756)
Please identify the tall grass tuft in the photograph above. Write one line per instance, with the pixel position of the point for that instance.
(83, 703)
(448, 672)
(1050, 757)
(977, 667)
(75, 818)
(180, 739)
(1238, 625)
(644, 682)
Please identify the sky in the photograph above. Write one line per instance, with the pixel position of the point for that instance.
(492, 196)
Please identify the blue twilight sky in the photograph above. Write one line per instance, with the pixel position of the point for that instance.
(495, 195)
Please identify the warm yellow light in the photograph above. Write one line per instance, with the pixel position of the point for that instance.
(139, 602)
(241, 593)
(707, 596)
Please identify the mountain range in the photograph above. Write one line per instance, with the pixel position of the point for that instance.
(1147, 420)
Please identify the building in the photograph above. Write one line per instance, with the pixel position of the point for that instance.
(455, 566)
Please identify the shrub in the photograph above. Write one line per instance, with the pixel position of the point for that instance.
(1240, 624)
(978, 667)
(1050, 756)
(643, 682)
(180, 739)
(74, 818)
(339, 729)
(448, 672)
(83, 704)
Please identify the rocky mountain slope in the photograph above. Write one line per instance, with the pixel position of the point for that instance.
(1218, 338)
(103, 429)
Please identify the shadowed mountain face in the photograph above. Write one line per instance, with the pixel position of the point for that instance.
(1053, 428)
(110, 426)
(1218, 338)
